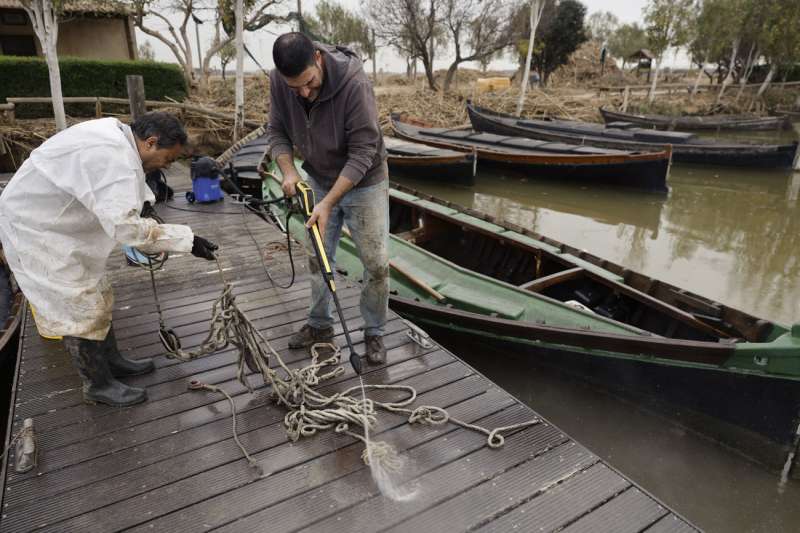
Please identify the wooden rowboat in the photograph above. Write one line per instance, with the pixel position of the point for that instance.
(712, 122)
(569, 163)
(686, 147)
(421, 161)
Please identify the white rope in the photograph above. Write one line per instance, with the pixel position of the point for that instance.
(310, 411)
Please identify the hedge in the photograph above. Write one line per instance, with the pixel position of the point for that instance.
(28, 76)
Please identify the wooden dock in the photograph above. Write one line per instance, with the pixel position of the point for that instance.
(171, 464)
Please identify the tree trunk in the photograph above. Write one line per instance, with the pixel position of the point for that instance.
(654, 81)
(748, 69)
(55, 85)
(699, 77)
(428, 65)
(238, 123)
(764, 86)
(536, 8)
(451, 72)
(44, 20)
(731, 65)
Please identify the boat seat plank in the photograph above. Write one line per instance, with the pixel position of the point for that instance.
(540, 284)
(671, 310)
(480, 302)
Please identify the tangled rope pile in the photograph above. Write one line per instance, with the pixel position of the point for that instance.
(309, 410)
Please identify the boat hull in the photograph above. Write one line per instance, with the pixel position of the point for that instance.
(709, 123)
(762, 156)
(753, 415)
(456, 170)
(637, 171)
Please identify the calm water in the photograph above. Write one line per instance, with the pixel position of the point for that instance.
(731, 235)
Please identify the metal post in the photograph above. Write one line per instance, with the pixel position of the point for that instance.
(136, 95)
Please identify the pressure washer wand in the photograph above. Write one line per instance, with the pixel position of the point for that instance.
(306, 197)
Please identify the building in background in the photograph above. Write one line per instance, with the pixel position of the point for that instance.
(92, 30)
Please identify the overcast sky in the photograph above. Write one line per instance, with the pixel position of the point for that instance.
(260, 43)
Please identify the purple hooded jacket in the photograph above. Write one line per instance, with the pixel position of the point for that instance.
(340, 136)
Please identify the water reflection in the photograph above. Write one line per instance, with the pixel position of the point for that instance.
(728, 234)
(732, 235)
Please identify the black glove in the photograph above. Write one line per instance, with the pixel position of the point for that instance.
(203, 248)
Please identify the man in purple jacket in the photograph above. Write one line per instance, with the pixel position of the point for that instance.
(322, 103)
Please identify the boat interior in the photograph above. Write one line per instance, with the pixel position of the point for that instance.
(564, 277)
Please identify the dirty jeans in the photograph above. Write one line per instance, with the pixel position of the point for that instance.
(365, 211)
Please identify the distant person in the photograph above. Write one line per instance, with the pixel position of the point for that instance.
(71, 203)
(322, 102)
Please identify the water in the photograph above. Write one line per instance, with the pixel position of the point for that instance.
(732, 235)
(385, 464)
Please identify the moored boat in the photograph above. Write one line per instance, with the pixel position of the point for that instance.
(12, 307)
(686, 147)
(421, 161)
(582, 164)
(459, 271)
(710, 122)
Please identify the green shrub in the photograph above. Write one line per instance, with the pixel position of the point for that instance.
(28, 76)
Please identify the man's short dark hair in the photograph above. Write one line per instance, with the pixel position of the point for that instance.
(293, 53)
(166, 127)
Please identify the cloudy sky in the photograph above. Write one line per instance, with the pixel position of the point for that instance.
(260, 43)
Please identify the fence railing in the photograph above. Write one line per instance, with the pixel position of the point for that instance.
(9, 108)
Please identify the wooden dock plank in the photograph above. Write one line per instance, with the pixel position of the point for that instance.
(171, 465)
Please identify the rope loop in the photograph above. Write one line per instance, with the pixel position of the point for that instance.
(429, 415)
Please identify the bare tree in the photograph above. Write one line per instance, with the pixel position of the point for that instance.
(478, 29)
(257, 14)
(536, 9)
(146, 51)
(412, 27)
(44, 16)
(226, 54)
(238, 122)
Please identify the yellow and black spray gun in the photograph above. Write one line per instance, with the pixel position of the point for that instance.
(305, 196)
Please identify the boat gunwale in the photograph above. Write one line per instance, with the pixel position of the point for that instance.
(402, 130)
(698, 146)
(598, 262)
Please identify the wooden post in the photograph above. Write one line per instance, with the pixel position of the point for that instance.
(625, 96)
(796, 162)
(136, 96)
(98, 108)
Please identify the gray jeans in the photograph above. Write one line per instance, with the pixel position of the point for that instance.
(366, 213)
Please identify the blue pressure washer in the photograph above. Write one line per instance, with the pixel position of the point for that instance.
(205, 181)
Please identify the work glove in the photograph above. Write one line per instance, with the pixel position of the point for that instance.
(204, 248)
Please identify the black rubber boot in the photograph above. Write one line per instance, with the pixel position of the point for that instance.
(122, 366)
(99, 386)
(309, 335)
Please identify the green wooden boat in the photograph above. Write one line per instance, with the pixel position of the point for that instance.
(462, 274)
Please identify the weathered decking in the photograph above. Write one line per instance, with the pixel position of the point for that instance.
(171, 465)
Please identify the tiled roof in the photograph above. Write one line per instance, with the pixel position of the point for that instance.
(105, 7)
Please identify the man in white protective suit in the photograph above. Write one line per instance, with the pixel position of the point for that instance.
(72, 202)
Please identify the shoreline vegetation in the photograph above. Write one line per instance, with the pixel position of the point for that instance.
(576, 92)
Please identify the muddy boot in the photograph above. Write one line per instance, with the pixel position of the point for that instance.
(376, 351)
(122, 366)
(308, 336)
(99, 386)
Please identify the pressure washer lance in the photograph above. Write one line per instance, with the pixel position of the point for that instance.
(305, 196)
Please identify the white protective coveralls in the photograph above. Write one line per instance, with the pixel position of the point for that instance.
(75, 199)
